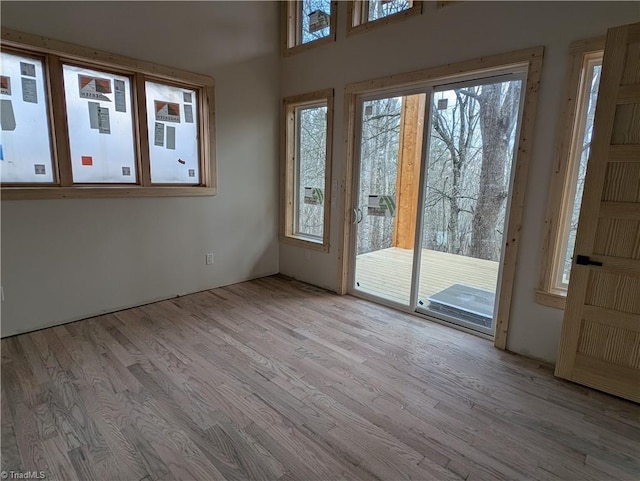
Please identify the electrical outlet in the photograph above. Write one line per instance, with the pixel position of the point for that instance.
(307, 255)
(209, 259)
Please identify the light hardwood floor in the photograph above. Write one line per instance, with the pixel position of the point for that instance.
(273, 379)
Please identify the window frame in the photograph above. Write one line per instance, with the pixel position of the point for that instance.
(531, 59)
(563, 182)
(291, 14)
(135, 130)
(52, 136)
(289, 164)
(357, 22)
(56, 53)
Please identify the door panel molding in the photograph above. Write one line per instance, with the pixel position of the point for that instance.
(600, 341)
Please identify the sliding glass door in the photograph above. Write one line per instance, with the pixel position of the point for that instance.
(433, 181)
(390, 151)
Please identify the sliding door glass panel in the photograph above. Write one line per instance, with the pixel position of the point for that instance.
(389, 172)
(471, 149)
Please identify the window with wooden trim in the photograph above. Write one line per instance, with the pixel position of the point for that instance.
(306, 170)
(25, 137)
(366, 14)
(77, 122)
(309, 23)
(569, 173)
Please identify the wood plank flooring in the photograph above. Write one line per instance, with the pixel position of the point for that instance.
(275, 380)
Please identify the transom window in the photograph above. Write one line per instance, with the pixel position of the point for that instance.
(366, 14)
(376, 9)
(309, 23)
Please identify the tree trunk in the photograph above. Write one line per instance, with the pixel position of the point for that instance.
(498, 115)
(456, 142)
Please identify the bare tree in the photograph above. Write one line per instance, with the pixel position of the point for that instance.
(498, 118)
(381, 8)
(379, 148)
(312, 147)
(455, 130)
(468, 169)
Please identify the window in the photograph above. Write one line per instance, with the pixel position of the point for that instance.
(568, 179)
(307, 170)
(80, 123)
(173, 141)
(365, 14)
(100, 123)
(25, 146)
(309, 23)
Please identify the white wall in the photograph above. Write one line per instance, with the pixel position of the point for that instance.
(69, 259)
(440, 36)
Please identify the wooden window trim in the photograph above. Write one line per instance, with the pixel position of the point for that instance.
(559, 195)
(531, 59)
(356, 24)
(55, 53)
(53, 145)
(287, 169)
(290, 21)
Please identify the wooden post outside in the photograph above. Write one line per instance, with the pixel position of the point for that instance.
(408, 179)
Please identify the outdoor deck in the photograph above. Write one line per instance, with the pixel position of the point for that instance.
(387, 273)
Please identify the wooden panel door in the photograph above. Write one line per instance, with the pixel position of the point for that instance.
(600, 343)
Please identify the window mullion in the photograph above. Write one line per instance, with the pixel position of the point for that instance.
(142, 132)
(206, 100)
(298, 22)
(291, 149)
(60, 130)
(363, 11)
